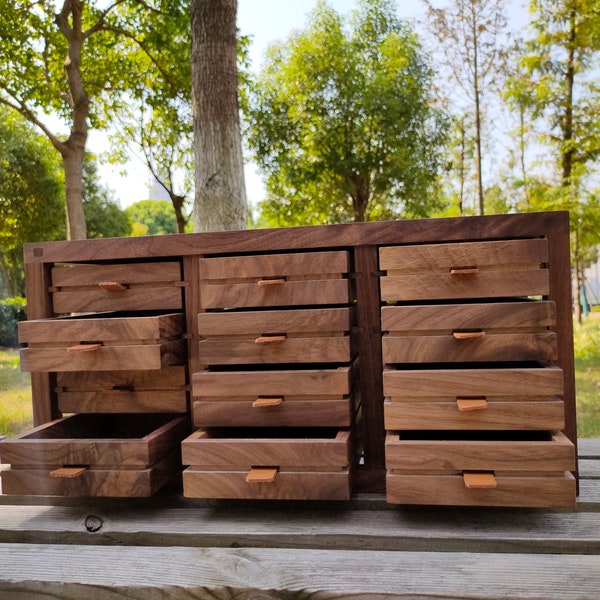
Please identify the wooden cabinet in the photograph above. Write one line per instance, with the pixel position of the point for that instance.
(448, 333)
(478, 361)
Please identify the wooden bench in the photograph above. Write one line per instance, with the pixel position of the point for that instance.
(173, 547)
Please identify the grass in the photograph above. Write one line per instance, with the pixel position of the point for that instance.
(16, 413)
(587, 376)
(15, 389)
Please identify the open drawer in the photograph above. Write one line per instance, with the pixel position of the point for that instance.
(488, 269)
(162, 390)
(529, 469)
(294, 279)
(103, 342)
(290, 464)
(273, 398)
(95, 455)
(116, 287)
(484, 398)
(275, 336)
(486, 332)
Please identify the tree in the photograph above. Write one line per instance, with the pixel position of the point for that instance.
(152, 217)
(220, 197)
(558, 89)
(75, 63)
(342, 121)
(31, 196)
(158, 120)
(468, 35)
(104, 217)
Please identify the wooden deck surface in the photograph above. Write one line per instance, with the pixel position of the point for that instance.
(172, 547)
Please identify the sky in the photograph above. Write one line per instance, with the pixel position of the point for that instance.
(265, 21)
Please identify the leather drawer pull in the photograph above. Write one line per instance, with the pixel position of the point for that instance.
(120, 389)
(468, 335)
(113, 286)
(464, 270)
(68, 472)
(263, 401)
(479, 481)
(84, 347)
(471, 404)
(270, 339)
(262, 474)
(279, 281)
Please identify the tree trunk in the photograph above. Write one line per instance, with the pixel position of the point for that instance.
(73, 166)
(220, 196)
(477, 97)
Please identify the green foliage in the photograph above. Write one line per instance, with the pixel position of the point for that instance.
(587, 376)
(31, 196)
(104, 217)
(341, 121)
(12, 311)
(152, 217)
(16, 410)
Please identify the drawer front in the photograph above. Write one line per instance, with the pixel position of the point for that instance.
(163, 390)
(102, 357)
(112, 483)
(305, 485)
(558, 491)
(133, 286)
(531, 452)
(468, 414)
(242, 449)
(307, 382)
(459, 383)
(513, 268)
(129, 441)
(291, 411)
(315, 278)
(101, 343)
(509, 331)
(278, 336)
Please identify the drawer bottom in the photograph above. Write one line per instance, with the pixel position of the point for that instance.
(287, 485)
(526, 491)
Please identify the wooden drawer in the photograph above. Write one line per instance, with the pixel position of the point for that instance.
(463, 399)
(162, 390)
(494, 269)
(297, 279)
(503, 331)
(283, 398)
(299, 464)
(275, 336)
(95, 455)
(528, 470)
(128, 286)
(103, 342)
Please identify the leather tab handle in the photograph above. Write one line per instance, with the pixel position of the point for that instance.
(471, 404)
(270, 339)
(468, 335)
(85, 347)
(279, 281)
(68, 472)
(263, 401)
(475, 480)
(262, 475)
(471, 270)
(113, 286)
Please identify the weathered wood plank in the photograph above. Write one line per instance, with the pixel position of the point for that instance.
(418, 529)
(589, 448)
(31, 571)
